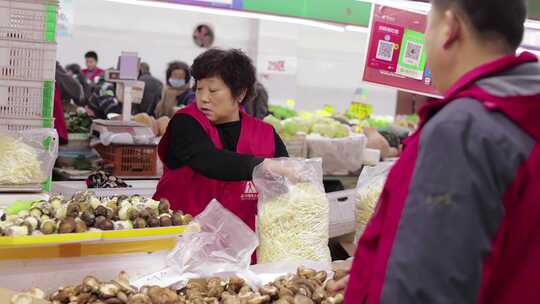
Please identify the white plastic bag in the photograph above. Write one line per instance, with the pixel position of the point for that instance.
(341, 156)
(27, 157)
(293, 218)
(222, 246)
(370, 186)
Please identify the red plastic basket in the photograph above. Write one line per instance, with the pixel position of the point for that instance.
(130, 160)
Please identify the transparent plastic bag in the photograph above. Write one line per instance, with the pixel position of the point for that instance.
(27, 157)
(293, 218)
(341, 156)
(370, 186)
(222, 245)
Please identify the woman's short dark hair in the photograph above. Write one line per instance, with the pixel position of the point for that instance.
(177, 65)
(500, 18)
(74, 68)
(91, 54)
(233, 66)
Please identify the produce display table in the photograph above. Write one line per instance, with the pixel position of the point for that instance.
(78, 175)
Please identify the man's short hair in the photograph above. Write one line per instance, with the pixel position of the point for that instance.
(91, 54)
(493, 18)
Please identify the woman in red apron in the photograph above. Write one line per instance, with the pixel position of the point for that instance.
(211, 147)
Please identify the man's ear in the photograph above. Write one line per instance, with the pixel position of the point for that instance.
(453, 28)
(241, 96)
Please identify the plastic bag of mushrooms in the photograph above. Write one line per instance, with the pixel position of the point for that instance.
(306, 286)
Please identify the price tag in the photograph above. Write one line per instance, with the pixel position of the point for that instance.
(291, 104)
(360, 110)
(163, 278)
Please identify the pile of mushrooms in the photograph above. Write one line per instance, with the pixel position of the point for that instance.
(92, 291)
(307, 286)
(85, 211)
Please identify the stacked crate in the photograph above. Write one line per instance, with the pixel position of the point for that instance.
(27, 63)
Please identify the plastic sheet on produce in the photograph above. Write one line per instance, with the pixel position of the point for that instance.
(221, 246)
(341, 156)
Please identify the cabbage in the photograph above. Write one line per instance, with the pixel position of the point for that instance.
(294, 226)
(19, 163)
(276, 123)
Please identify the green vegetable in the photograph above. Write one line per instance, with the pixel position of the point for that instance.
(19, 206)
(78, 122)
(276, 123)
(281, 112)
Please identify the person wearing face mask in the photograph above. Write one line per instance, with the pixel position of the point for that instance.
(177, 85)
(211, 146)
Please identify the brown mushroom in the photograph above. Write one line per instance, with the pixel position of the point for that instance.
(301, 299)
(67, 225)
(80, 226)
(73, 210)
(139, 223)
(164, 206)
(165, 220)
(88, 217)
(139, 298)
(90, 284)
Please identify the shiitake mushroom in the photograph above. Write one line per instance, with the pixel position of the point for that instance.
(164, 206)
(139, 223)
(67, 225)
(165, 220)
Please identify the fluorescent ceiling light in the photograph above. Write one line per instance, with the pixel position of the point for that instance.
(232, 13)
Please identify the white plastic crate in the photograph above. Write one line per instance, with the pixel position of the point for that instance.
(342, 212)
(7, 124)
(26, 99)
(144, 188)
(28, 20)
(27, 61)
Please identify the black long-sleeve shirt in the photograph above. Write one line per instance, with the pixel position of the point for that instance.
(191, 146)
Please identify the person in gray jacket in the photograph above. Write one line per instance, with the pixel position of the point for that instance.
(152, 91)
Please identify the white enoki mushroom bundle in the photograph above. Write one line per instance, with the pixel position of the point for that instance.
(19, 163)
(366, 204)
(294, 226)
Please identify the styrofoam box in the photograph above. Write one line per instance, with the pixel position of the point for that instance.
(144, 188)
(27, 60)
(342, 212)
(28, 20)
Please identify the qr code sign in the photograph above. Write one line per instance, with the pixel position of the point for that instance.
(413, 52)
(385, 51)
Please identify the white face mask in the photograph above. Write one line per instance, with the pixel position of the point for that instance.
(177, 83)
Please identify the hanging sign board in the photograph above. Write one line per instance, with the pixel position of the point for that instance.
(396, 54)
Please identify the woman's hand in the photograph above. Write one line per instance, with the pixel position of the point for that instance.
(276, 168)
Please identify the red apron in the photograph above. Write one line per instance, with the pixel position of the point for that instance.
(191, 192)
